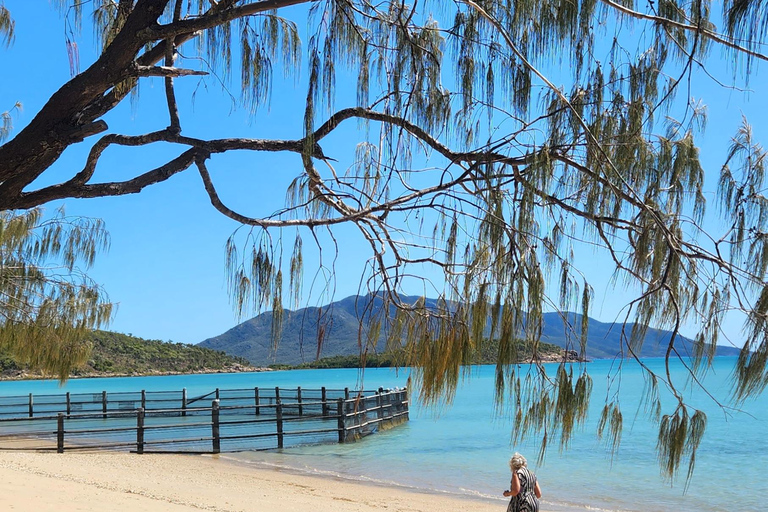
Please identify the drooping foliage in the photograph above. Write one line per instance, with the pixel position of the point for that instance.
(6, 37)
(47, 305)
(6, 26)
(498, 143)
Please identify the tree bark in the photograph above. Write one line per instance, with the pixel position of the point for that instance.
(61, 121)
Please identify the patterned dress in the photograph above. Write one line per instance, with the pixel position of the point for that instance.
(526, 500)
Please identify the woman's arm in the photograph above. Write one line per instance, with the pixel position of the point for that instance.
(514, 488)
(537, 489)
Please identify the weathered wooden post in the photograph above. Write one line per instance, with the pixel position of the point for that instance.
(256, 400)
(69, 404)
(346, 400)
(143, 399)
(379, 411)
(31, 407)
(341, 425)
(140, 430)
(279, 422)
(60, 433)
(277, 394)
(298, 399)
(215, 433)
(103, 404)
(324, 399)
(184, 401)
(217, 394)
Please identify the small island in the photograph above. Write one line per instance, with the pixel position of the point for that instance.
(545, 353)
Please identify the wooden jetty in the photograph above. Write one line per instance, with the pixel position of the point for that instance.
(214, 422)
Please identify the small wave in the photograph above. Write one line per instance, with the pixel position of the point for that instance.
(565, 506)
(460, 492)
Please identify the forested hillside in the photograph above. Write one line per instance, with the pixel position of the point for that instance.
(121, 354)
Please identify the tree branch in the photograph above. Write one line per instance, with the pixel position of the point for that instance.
(77, 186)
(216, 17)
(452, 156)
(59, 123)
(170, 93)
(119, 188)
(167, 71)
(691, 28)
(180, 36)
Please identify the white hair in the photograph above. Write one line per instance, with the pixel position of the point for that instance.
(517, 461)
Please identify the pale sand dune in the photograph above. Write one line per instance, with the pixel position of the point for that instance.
(102, 482)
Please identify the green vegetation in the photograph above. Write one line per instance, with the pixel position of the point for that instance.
(487, 355)
(122, 354)
(489, 352)
(48, 305)
(351, 361)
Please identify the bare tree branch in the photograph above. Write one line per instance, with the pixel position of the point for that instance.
(168, 72)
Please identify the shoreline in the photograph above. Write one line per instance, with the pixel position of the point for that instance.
(478, 501)
(85, 482)
(567, 356)
(232, 459)
(22, 375)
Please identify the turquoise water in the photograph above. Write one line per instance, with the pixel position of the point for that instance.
(464, 448)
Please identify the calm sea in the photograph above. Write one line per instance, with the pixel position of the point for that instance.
(463, 449)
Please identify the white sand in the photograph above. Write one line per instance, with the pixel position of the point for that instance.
(109, 481)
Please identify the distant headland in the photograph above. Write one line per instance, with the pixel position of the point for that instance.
(123, 355)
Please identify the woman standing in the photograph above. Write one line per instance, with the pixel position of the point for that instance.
(524, 489)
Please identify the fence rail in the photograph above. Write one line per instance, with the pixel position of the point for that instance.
(33, 405)
(234, 420)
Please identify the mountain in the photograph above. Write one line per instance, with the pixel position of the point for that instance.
(339, 324)
(121, 354)
(604, 339)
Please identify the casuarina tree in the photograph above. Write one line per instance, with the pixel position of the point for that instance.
(495, 140)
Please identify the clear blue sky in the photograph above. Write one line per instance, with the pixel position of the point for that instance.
(165, 268)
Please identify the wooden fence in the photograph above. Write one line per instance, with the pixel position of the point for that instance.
(236, 420)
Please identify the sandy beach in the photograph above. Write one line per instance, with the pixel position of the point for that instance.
(97, 482)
